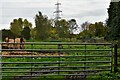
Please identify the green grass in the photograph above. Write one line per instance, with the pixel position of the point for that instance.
(82, 47)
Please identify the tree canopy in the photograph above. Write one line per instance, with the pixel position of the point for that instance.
(20, 27)
(113, 21)
(49, 29)
(42, 26)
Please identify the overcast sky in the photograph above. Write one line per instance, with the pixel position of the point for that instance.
(81, 10)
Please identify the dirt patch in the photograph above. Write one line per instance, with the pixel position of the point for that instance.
(25, 53)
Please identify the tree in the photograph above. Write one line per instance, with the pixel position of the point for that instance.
(100, 29)
(94, 30)
(16, 27)
(62, 28)
(86, 27)
(113, 21)
(27, 29)
(26, 33)
(26, 23)
(53, 34)
(33, 33)
(21, 28)
(42, 26)
(6, 33)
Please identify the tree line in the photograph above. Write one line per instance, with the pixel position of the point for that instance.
(45, 29)
(49, 29)
(18, 28)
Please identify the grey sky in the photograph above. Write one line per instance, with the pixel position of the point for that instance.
(81, 10)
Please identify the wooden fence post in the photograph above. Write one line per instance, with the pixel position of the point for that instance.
(115, 59)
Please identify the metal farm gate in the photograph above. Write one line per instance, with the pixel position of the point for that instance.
(40, 59)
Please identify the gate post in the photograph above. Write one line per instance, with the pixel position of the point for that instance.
(59, 47)
(115, 59)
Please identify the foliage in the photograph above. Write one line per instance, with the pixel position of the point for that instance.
(26, 33)
(20, 27)
(46, 29)
(27, 29)
(62, 28)
(53, 34)
(16, 27)
(104, 76)
(100, 29)
(42, 27)
(49, 29)
(113, 21)
(33, 33)
(26, 23)
(93, 30)
(6, 33)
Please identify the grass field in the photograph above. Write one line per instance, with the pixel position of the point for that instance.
(73, 59)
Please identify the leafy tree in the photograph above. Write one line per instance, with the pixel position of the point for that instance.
(26, 33)
(16, 27)
(33, 33)
(27, 29)
(113, 21)
(53, 34)
(94, 30)
(100, 29)
(6, 33)
(21, 28)
(42, 26)
(26, 23)
(62, 28)
(86, 30)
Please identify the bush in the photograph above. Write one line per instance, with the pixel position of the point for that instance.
(105, 76)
